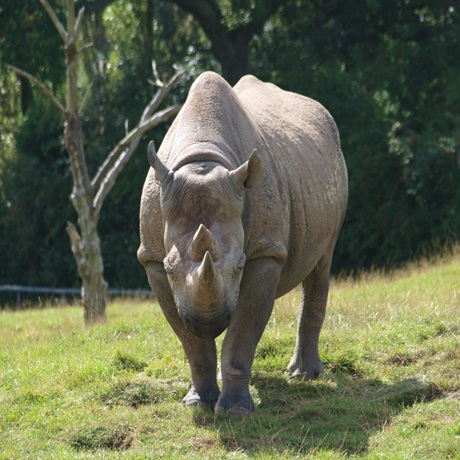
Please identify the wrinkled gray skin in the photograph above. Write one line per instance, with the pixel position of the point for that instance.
(244, 201)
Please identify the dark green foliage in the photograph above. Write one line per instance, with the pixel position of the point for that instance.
(388, 72)
(28, 40)
(36, 185)
(28, 36)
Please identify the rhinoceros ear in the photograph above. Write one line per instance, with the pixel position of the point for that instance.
(249, 174)
(161, 171)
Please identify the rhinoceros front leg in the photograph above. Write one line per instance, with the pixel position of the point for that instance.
(201, 354)
(257, 295)
(305, 361)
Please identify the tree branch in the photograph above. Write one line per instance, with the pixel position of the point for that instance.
(124, 150)
(157, 81)
(161, 93)
(146, 114)
(85, 98)
(44, 89)
(75, 240)
(84, 47)
(81, 12)
(55, 19)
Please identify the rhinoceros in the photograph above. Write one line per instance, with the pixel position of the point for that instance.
(244, 201)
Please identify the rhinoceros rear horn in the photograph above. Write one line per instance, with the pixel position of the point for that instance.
(203, 241)
(249, 174)
(161, 171)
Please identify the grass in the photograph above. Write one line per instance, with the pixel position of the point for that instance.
(390, 390)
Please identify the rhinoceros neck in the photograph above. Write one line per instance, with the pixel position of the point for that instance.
(212, 125)
(205, 152)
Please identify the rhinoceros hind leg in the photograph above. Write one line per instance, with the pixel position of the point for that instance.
(305, 361)
(307, 364)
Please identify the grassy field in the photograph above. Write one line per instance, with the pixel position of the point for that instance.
(391, 388)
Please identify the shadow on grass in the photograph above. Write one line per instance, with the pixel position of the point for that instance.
(339, 412)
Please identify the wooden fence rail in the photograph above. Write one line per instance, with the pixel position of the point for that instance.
(67, 291)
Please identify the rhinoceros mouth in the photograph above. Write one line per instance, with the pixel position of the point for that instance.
(208, 326)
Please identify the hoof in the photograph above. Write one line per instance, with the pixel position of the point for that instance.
(235, 405)
(307, 372)
(204, 399)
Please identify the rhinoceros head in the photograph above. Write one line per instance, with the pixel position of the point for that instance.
(202, 205)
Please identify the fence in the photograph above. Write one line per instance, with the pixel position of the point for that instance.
(18, 290)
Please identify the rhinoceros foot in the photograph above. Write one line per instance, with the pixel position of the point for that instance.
(207, 399)
(306, 369)
(235, 404)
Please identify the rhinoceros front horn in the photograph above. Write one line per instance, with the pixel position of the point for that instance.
(202, 241)
(161, 171)
(206, 272)
(208, 282)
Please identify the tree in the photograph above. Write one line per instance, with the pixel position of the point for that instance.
(88, 195)
(231, 34)
(21, 19)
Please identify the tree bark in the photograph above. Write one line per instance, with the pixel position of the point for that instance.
(87, 253)
(86, 247)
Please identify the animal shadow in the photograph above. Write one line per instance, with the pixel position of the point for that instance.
(339, 412)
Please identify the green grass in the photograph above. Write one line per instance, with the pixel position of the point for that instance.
(390, 390)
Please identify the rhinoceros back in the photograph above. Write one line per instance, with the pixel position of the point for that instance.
(307, 174)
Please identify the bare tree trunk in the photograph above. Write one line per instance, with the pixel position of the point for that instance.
(86, 247)
(91, 270)
(88, 195)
